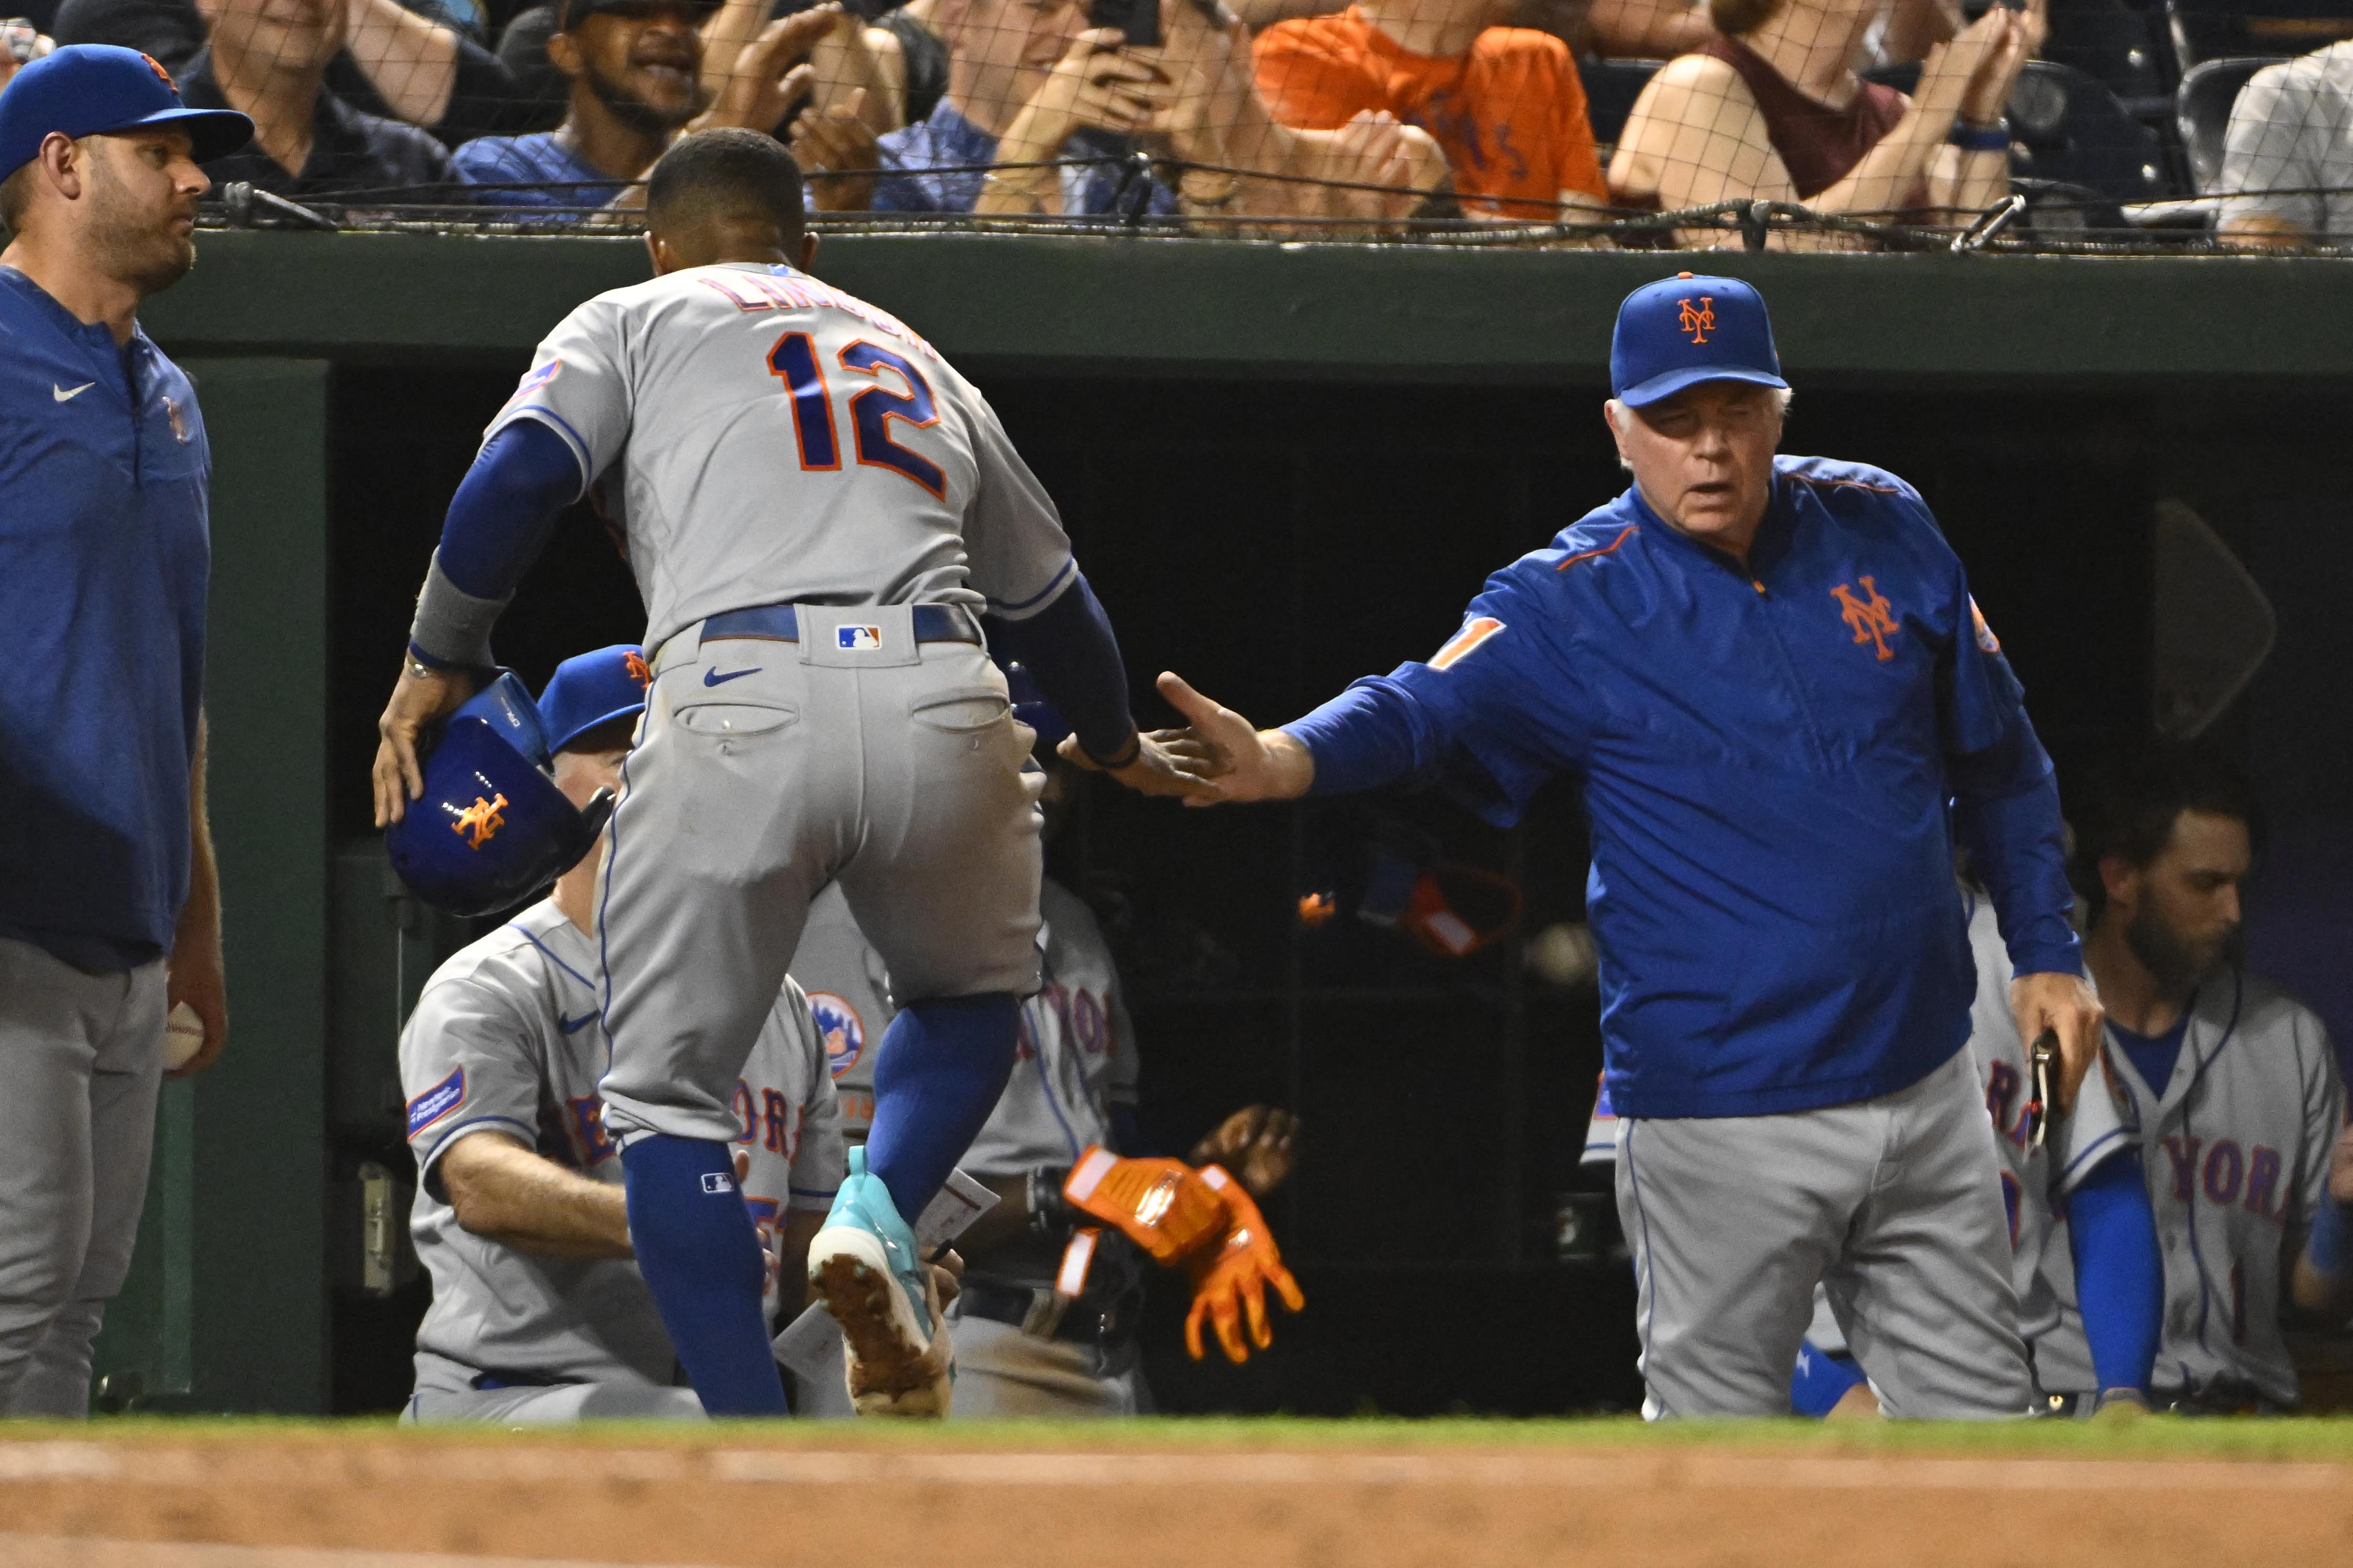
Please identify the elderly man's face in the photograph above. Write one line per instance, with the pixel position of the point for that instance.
(1703, 459)
(300, 33)
(643, 61)
(1011, 45)
(142, 188)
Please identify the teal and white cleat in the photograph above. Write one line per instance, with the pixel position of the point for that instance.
(864, 1268)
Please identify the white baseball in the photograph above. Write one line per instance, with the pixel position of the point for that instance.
(1561, 955)
(183, 1036)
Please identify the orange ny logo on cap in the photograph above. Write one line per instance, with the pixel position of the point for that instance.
(157, 67)
(633, 665)
(1699, 322)
(481, 820)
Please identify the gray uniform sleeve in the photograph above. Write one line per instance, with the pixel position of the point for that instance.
(578, 387)
(2275, 142)
(467, 1065)
(1019, 557)
(1120, 1078)
(2088, 1136)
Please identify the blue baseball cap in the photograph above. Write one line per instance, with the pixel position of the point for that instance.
(593, 688)
(1685, 329)
(91, 89)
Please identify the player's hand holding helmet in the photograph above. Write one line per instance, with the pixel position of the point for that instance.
(1229, 1281)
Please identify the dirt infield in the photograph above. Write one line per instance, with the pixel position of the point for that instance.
(1171, 1496)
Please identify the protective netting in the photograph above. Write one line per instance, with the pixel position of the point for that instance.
(1846, 124)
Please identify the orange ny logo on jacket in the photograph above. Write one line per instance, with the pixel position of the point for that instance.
(479, 821)
(1872, 620)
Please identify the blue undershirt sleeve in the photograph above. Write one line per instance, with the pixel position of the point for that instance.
(1073, 655)
(2119, 1277)
(506, 506)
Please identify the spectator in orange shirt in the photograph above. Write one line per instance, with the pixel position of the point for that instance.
(1505, 102)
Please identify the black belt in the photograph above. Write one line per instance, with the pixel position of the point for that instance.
(1109, 1324)
(778, 623)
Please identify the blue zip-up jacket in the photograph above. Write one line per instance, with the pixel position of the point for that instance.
(1767, 757)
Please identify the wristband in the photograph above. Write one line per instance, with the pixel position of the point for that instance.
(1124, 755)
(2325, 1246)
(1994, 138)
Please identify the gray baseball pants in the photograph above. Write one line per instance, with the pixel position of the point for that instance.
(559, 1405)
(766, 769)
(1003, 1372)
(1893, 1204)
(80, 1059)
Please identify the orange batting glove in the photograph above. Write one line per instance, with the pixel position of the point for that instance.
(1164, 1206)
(1230, 1281)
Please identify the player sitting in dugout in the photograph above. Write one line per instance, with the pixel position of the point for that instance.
(1058, 107)
(1020, 1349)
(1774, 110)
(2229, 1084)
(538, 1314)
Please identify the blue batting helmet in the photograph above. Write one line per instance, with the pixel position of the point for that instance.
(491, 827)
(1030, 705)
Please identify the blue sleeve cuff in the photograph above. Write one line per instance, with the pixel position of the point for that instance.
(1371, 735)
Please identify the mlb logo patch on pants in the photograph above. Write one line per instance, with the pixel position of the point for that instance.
(857, 639)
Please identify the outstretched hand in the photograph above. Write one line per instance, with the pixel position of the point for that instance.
(1232, 759)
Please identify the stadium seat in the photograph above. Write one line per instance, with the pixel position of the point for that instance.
(2115, 48)
(2214, 29)
(2066, 127)
(2201, 108)
(1610, 89)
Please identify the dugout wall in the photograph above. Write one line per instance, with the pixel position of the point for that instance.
(1284, 466)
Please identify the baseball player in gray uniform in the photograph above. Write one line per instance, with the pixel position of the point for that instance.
(539, 1313)
(817, 507)
(2230, 1084)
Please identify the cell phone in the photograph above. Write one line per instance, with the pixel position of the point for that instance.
(1138, 20)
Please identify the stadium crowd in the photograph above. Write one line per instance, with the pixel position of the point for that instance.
(1377, 116)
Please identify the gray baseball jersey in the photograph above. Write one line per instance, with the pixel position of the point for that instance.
(761, 439)
(2236, 1148)
(1077, 1053)
(505, 1037)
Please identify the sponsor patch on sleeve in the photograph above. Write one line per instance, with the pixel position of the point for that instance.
(1986, 641)
(1478, 629)
(437, 1102)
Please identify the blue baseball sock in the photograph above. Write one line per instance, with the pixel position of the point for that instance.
(943, 1065)
(699, 1254)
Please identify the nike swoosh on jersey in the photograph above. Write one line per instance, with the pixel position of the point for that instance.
(63, 396)
(574, 1026)
(713, 678)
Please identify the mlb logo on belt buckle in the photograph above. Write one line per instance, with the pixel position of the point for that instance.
(857, 639)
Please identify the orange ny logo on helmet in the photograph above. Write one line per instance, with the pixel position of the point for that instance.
(633, 665)
(1872, 620)
(480, 821)
(157, 67)
(1699, 322)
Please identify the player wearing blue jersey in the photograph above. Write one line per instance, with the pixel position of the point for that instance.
(109, 916)
(1769, 677)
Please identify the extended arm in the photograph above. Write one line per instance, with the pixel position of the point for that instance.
(2119, 1277)
(504, 1193)
(498, 524)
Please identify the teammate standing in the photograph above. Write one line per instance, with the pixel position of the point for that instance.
(538, 1314)
(1769, 678)
(817, 508)
(109, 913)
(2230, 1084)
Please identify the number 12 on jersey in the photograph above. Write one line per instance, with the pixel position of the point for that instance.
(793, 361)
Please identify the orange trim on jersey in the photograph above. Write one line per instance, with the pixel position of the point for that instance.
(1478, 630)
(1850, 484)
(1631, 529)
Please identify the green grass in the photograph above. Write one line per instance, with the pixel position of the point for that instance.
(2321, 1439)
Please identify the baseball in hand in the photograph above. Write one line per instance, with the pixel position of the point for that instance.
(183, 1036)
(1562, 955)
